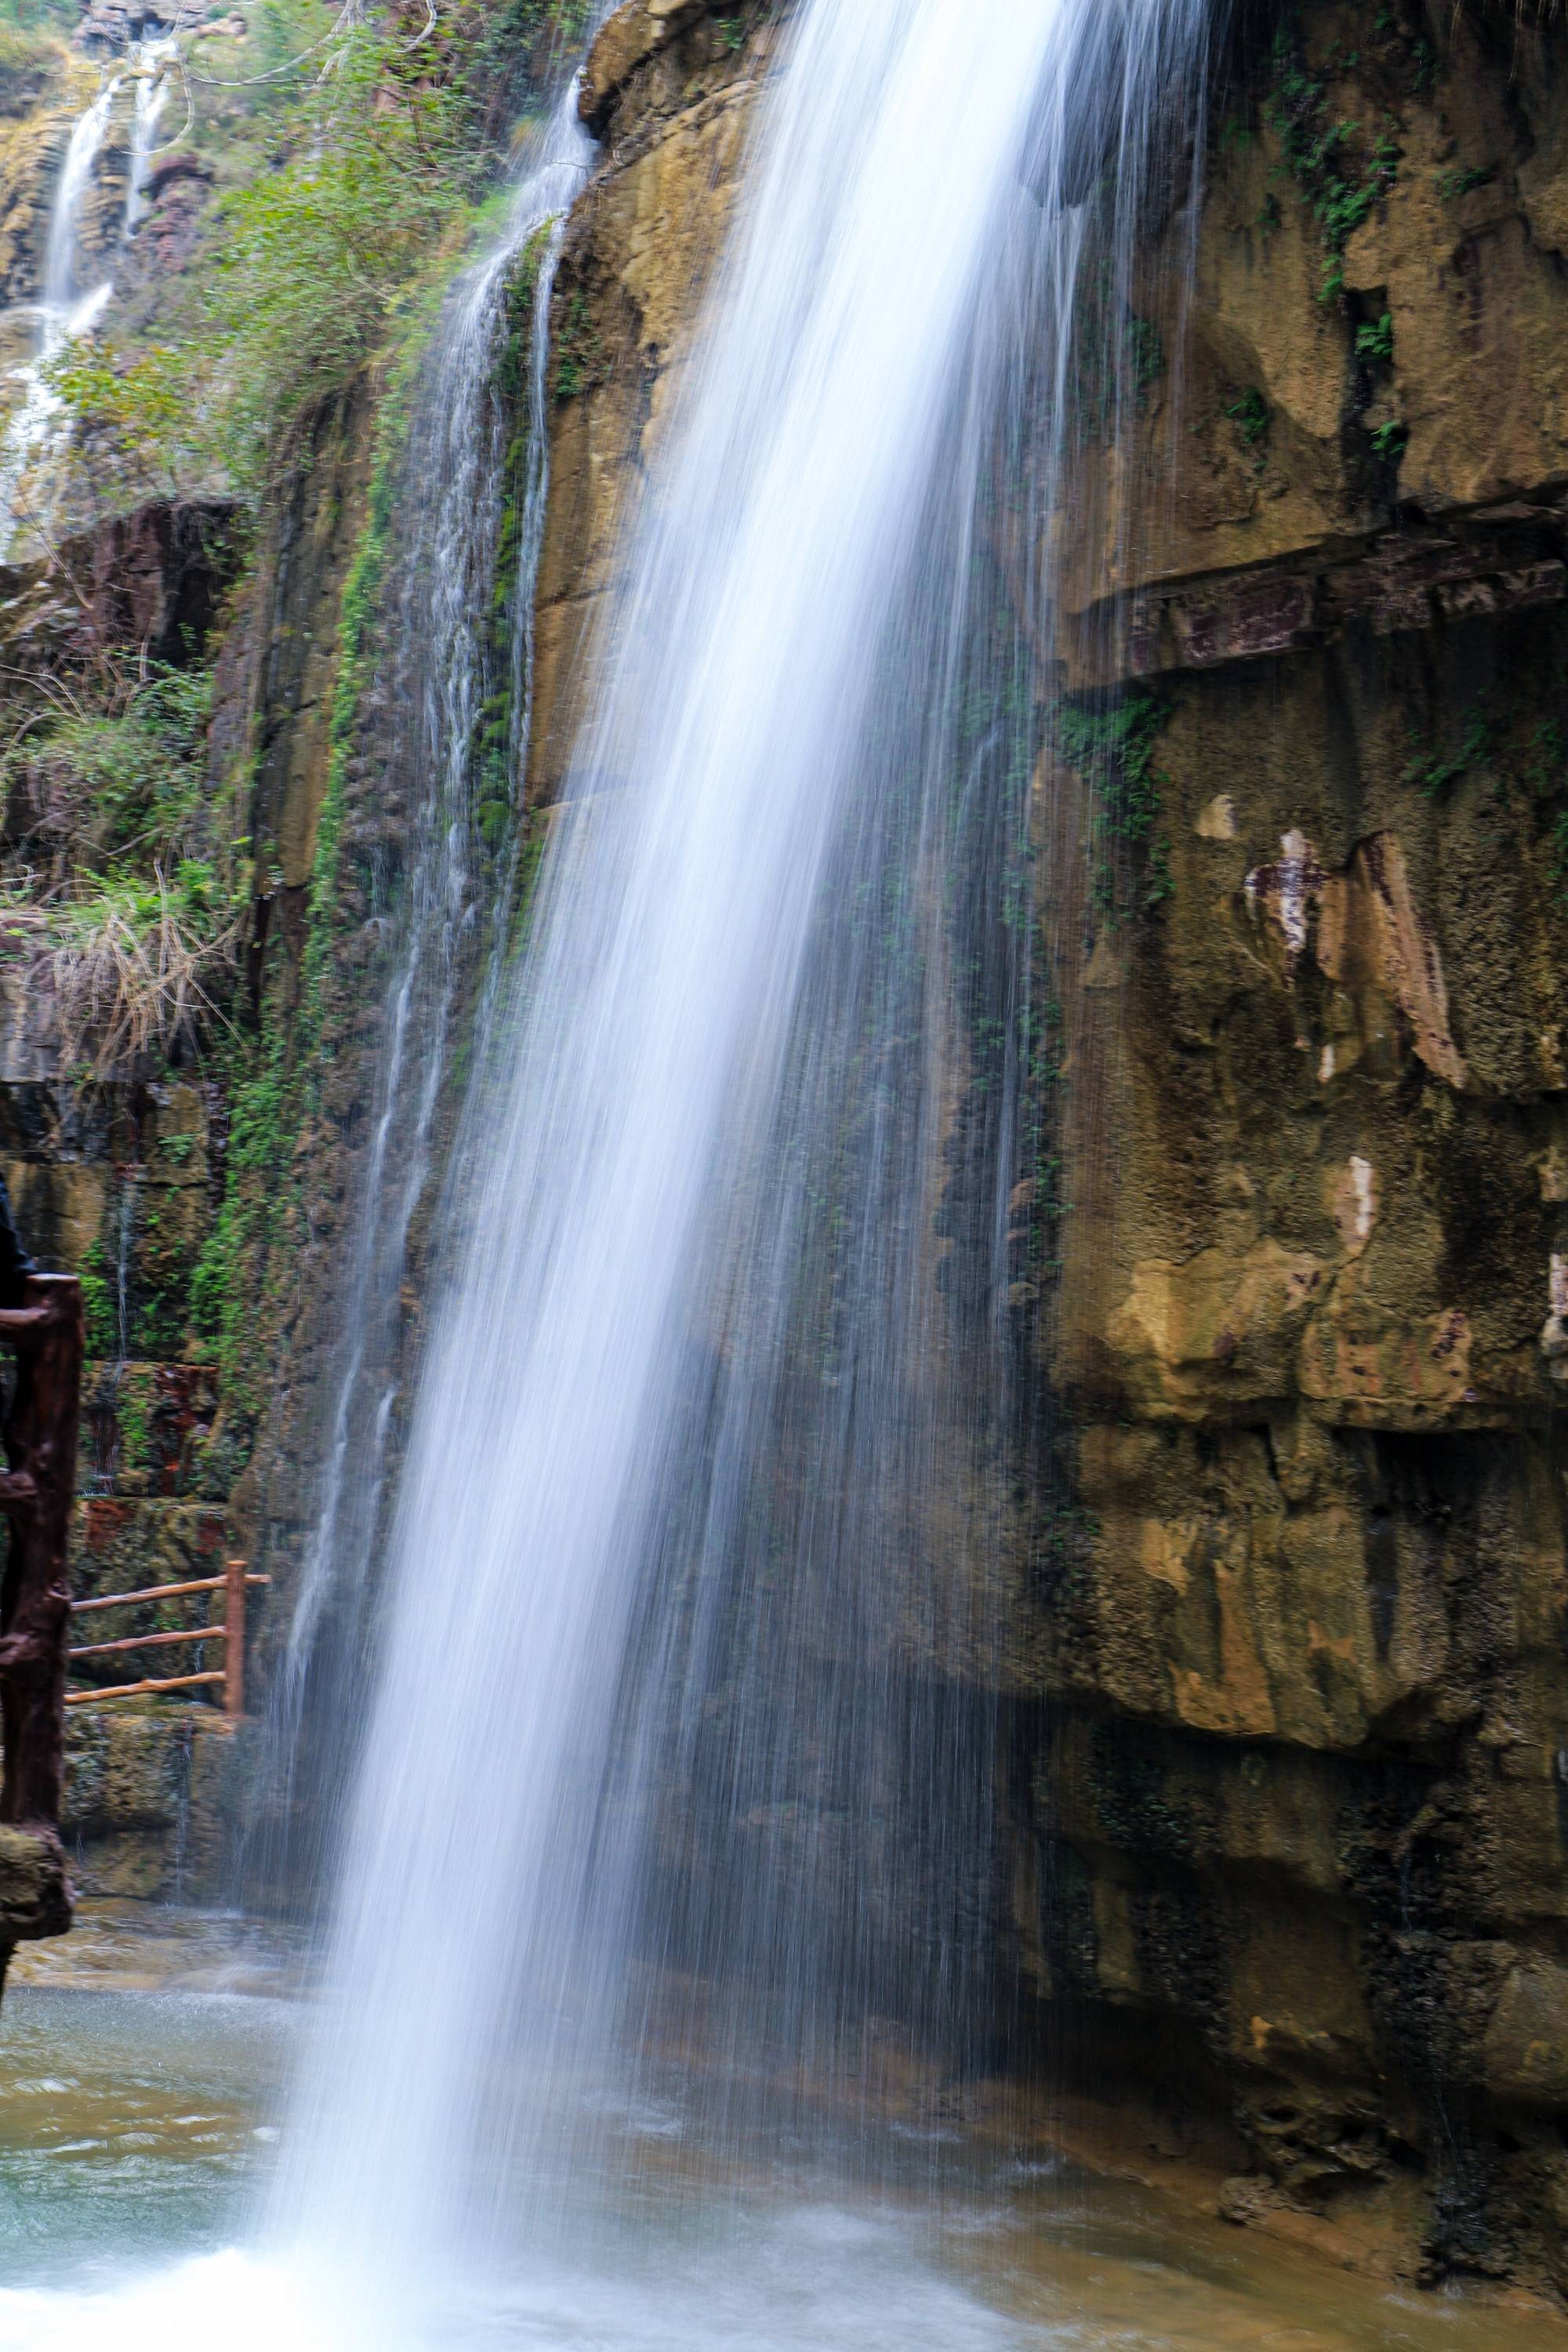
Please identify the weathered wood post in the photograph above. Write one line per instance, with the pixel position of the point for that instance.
(36, 1491)
(233, 1648)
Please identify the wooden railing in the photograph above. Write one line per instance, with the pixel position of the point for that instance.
(229, 1629)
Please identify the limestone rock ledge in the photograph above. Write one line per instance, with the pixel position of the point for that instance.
(670, 90)
(35, 1893)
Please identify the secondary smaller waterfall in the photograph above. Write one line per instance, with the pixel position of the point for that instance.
(152, 91)
(62, 289)
(436, 668)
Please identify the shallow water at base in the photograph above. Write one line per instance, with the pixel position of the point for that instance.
(141, 2064)
(137, 2070)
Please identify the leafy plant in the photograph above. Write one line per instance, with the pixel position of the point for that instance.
(1435, 773)
(1335, 179)
(27, 50)
(1112, 748)
(365, 167)
(1375, 342)
(312, 258)
(578, 351)
(271, 1093)
(1453, 184)
(125, 878)
(144, 425)
(1251, 415)
(95, 786)
(1390, 441)
(98, 1301)
(134, 969)
(1549, 760)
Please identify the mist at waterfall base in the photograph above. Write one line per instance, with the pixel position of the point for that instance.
(672, 1873)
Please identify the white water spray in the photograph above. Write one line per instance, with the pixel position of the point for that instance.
(63, 292)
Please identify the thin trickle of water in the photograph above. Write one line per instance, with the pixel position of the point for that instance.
(125, 1236)
(705, 1520)
(437, 668)
(130, 1177)
(184, 1746)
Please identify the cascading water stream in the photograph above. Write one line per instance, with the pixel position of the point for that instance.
(62, 257)
(725, 1362)
(66, 309)
(151, 61)
(437, 668)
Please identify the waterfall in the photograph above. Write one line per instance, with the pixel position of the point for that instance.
(67, 311)
(62, 255)
(436, 673)
(150, 61)
(704, 1523)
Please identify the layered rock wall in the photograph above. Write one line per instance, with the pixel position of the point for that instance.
(1298, 1781)
(120, 1181)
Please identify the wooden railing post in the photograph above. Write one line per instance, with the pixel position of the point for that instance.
(234, 1647)
(36, 1494)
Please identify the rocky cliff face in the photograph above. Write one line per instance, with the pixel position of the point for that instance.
(1298, 1785)
(670, 91)
(120, 1182)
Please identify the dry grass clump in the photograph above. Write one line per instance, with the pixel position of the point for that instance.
(121, 886)
(133, 973)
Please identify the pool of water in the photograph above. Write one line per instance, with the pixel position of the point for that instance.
(142, 2064)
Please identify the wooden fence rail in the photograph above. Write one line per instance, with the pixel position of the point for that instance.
(229, 1629)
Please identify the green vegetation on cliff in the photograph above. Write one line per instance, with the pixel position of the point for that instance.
(328, 208)
(124, 869)
(353, 168)
(1112, 749)
(273, 1081)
